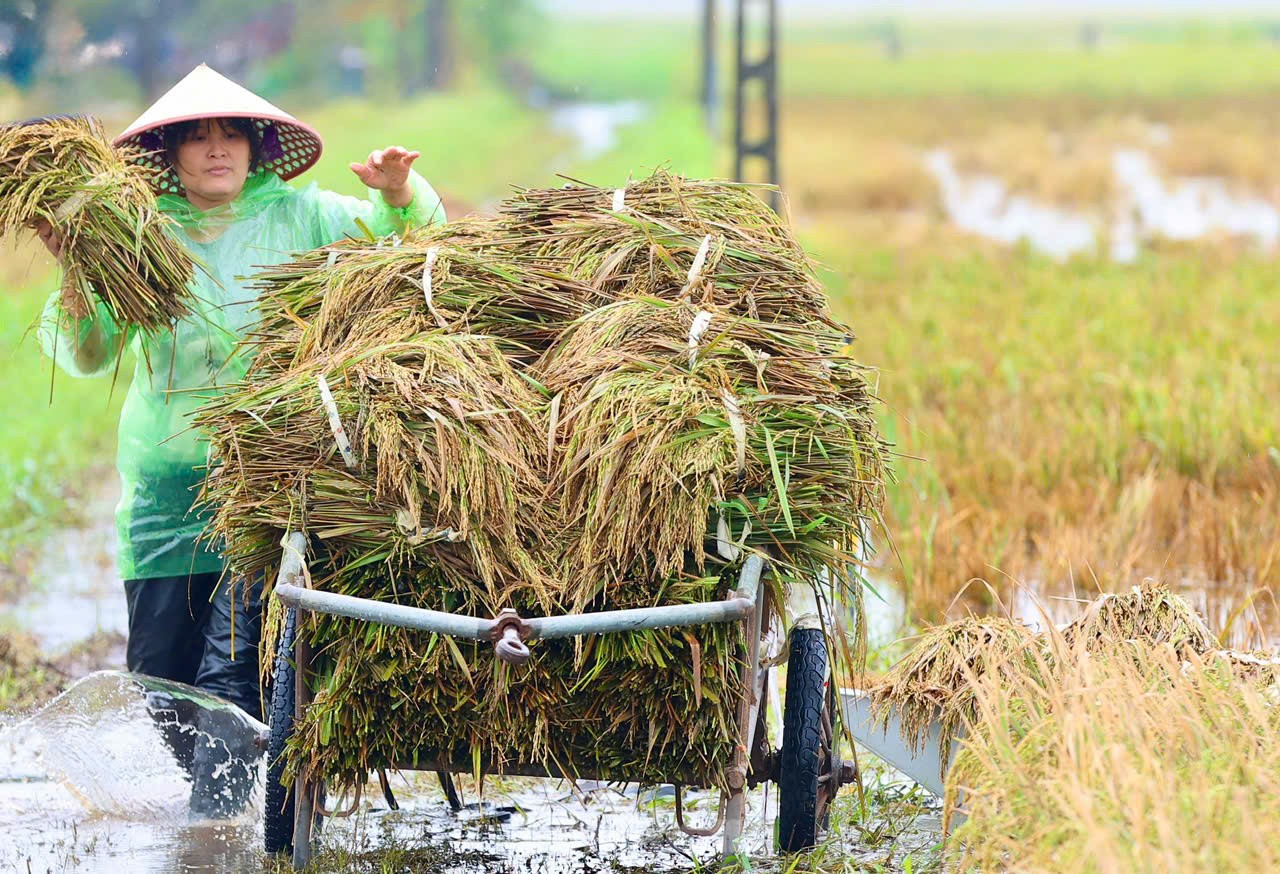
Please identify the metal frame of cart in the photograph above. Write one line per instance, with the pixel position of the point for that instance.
(807, 767)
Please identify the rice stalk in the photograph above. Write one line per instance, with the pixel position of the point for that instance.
(115, 242)
(560, 409)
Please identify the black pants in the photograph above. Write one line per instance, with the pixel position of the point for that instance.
(192, 629)
(203, 632)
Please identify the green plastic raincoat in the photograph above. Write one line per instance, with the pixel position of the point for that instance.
(159, 454)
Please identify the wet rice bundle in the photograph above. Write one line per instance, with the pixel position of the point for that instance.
(705, 242)
(675, 426)
(936, 681)
(647, 706)
(599, 445)
(114, 243)
(458, 278)
(1149, 614)
(439, 469)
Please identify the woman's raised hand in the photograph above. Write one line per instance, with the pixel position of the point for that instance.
(387, 170)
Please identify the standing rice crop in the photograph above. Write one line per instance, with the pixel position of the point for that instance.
(1132, 759)
(115, 245)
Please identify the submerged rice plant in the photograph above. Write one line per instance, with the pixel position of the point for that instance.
(1132, 759)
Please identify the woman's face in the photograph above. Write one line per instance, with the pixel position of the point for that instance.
(212, 163)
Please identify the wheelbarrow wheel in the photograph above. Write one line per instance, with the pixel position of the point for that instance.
(277, 829)
(802, 755)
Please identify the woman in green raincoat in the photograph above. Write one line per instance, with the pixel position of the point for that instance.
(225, 155)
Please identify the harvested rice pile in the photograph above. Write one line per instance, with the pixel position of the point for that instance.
(64, 171)
(592, 401)
(936, 679)
(941, 678)
(1149, 613)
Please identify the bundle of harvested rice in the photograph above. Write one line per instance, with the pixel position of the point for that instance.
(707, 242)
(665, 411)
(114, 243)
(439, 468)
(936, 680)
(1149, 613)
(1261, 668)
(532, 433)
(457, 277)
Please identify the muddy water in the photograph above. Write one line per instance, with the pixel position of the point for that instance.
(89, 784)
(74, 591)
(1147, 206)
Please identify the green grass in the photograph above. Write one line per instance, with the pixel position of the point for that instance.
(45, 448)
(623, 58)
(475, 143)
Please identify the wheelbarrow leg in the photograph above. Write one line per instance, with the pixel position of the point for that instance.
(735, 814)
(303, 820)
(304, 808)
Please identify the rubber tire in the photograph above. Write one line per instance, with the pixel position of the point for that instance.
(801, 755)
(277, 826)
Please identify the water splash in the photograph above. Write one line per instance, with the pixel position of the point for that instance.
(124, 746)
(100, 780)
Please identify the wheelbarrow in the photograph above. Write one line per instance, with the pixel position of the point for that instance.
(807, 767)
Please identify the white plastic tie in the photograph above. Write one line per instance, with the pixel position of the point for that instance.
(619, 199)
(695, 270)
(335, 423)
(428, 292)
(76, 201)
(738, 425)
(332, 259)
(724, 540)
(701, 322)
(71, 206)
(416, 535)
(726, 547)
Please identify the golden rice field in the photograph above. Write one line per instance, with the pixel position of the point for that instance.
(1060, 425)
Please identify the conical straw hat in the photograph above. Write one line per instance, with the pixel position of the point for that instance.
(289, 147)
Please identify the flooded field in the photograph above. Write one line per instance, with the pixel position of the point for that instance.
(89, 784)
(1147, 206)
